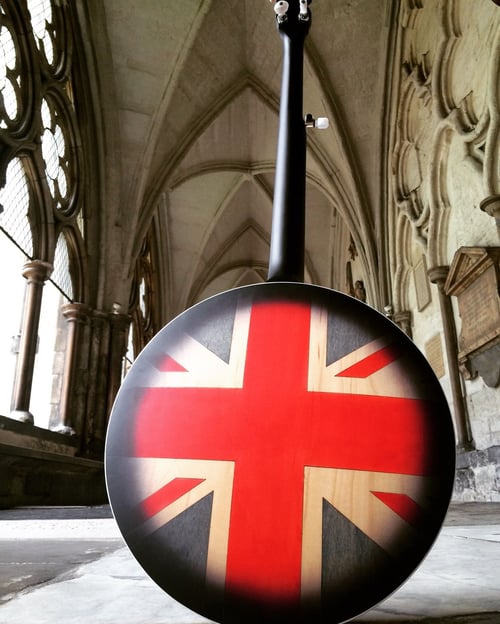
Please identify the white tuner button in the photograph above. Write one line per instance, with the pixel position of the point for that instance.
(280, 8)
(322, 123)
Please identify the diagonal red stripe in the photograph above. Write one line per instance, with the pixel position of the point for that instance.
(168, 494)
(403, 505)
(372, 363)
(169, 365)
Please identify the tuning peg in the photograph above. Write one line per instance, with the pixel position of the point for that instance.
(304, 10)
(281, 9)
(321, 123)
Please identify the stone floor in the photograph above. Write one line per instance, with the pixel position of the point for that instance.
(69, 566)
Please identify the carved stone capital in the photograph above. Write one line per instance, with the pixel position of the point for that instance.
(438, 274)
(403, 320)
(76, 312)
(37, 271)
(491, 206)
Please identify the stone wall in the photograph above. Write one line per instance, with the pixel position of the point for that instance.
(445, 178)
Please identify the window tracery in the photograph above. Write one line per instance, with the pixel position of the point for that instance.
(9, 77)
(60, 165)
(43, 27)
(16, 92)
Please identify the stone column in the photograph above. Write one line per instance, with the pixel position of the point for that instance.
(438, 275)
(119, 333)
(76, 315)
(36, 273)
(107, 344)
(92, 442)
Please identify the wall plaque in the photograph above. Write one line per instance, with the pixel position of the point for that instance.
(434, 355)
(474, 278)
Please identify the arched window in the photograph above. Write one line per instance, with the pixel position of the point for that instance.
(140, 307)
(40, 207)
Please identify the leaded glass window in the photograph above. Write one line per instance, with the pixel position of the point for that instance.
(15, 203)
(10, 81)
(43, 27)
(61, 275)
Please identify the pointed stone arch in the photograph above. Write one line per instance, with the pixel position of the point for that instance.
(222, 262)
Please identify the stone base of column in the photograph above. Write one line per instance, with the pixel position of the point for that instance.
(65, 430)
(23, 416)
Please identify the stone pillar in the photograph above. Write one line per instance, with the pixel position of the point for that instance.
(438, 275)
(491, 206)
(76, 314)
(36, 273)
(105, 336)
(120, 324)
(92, 442)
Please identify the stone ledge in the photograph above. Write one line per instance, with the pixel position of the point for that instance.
(35, 476)
(28, 436)
(56, 459)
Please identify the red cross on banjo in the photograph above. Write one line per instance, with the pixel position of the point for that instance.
(282, 451)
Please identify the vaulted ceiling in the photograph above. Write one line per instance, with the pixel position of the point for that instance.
(190, 93)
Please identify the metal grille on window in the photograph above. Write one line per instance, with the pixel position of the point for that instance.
(60, 275)
(43, 28)
(54, 153)
(9, 77)
(15, 201)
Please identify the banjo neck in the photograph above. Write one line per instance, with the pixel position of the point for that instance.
(286, 259)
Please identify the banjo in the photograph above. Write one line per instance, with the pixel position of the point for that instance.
(281, 452)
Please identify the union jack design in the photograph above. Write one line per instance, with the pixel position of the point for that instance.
(307, 445)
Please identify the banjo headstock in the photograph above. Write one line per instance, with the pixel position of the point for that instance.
(293, 17)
